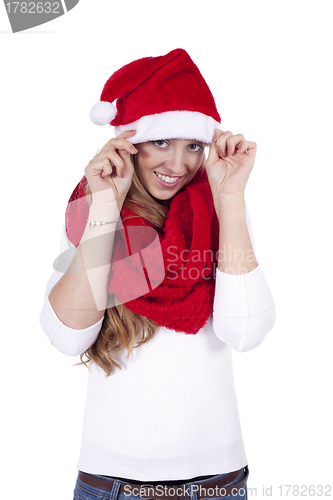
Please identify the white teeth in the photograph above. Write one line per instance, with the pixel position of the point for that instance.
(166, 178)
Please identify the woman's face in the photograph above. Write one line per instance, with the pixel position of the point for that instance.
(177, 159)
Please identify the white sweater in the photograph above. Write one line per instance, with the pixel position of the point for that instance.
(171, 412)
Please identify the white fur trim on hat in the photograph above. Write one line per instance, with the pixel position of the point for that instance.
(102, 113)
(171, 125)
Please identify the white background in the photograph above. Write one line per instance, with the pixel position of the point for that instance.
(269, 66)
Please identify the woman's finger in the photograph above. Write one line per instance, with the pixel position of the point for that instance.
(245, 146)
(128, 166)
(126, 134)
(117, 144)
(122, 140)
(114, 158)
(112, 161)
(213, 156)
(221, 142)
(228, 145)
(100, 167)
(232, 143)
(107, 169)
(217, 133)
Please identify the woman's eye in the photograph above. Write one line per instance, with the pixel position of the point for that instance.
(161, 143)
(195, 147)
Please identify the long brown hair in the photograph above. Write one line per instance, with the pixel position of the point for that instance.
(121, 327)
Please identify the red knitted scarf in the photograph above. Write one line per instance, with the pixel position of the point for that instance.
(178, 295)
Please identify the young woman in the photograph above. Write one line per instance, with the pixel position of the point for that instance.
(161, 284)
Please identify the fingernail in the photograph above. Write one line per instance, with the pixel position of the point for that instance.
(133, 149)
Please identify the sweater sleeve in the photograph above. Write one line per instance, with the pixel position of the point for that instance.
(67, 340)
(243, 310)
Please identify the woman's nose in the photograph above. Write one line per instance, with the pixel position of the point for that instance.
(176, 163)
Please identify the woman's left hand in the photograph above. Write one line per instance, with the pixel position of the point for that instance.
(229, 165)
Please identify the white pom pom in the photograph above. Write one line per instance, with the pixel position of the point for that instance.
(102, 113)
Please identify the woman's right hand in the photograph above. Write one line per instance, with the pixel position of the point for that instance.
(112, 168)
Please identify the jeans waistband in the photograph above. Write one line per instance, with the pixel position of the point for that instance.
(145, 491)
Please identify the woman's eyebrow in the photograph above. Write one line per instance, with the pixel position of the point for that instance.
(192, 141)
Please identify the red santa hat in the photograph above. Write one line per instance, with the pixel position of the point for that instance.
(162, 97)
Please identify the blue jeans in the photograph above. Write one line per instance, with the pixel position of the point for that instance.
(83, 491)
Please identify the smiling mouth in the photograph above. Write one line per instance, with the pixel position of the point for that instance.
(168, 178)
